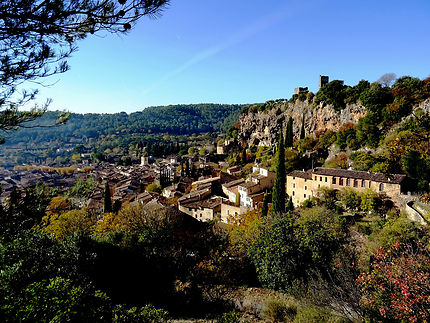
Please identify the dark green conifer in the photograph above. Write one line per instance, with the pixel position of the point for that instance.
(107, 199)
(290, 205)
(289, 136)
(265, 207)
(278, 192)
(302, 130)
(244, 156)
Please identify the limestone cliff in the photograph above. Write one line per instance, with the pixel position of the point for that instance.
(262, 127)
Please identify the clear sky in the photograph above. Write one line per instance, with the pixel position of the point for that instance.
(237, 51)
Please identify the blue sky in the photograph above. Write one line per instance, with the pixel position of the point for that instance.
(225, 51)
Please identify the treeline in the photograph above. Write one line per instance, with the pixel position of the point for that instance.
(173, 119)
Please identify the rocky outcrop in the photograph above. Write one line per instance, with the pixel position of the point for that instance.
(424, 106)
(262, 128)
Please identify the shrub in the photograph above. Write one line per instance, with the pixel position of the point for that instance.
(279, 310)
(397, 286)
(230, 317)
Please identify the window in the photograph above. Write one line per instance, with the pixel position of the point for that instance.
(304, 195)
(315, 178)
(381, 187)
(306, 188)
(355, 183)
(333, 181)
(293, 193)
(294, 185)
(370, 184)
(348, 182)
(228, 212)
(319, 185)
(294, 178)
(363, 183)
(326, 179)
(320, 178)
(341, 181)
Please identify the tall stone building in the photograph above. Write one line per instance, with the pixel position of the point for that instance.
(302, 185)
(322, 80)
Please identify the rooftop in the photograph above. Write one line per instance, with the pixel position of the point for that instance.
(375, 177)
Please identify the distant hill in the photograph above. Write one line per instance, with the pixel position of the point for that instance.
(173, 120)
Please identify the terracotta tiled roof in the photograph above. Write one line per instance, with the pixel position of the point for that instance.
(301, 174)
(375, 177)
(204, 204)
(233, 183)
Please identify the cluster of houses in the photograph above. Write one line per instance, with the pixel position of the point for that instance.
(217, 195)
(29, 178)
(226, 195)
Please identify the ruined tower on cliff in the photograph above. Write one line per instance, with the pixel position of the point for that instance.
(322, 80)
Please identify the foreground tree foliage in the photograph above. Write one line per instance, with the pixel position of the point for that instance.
(295, 245)
(38, 36)
(397, 288)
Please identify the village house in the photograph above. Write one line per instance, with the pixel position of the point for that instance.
(202, 210)
(302, 185)
(252, 191)
(231, 190)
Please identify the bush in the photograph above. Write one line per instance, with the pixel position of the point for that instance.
(397, 286)
(153, 188)
(279, 310)
(230, 317)
(146, 314)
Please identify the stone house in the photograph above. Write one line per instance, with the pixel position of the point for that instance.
(230, 189)
(302, 185)
(203, 210)
(230, 209)
(252, 191)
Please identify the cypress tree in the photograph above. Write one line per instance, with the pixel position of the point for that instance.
(302, 130)
(107, 200)
(265, 207)
(290, 205)
(278, 192)
(289, 136)
(244, 156)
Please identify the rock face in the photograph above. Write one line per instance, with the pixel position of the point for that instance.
(425, 106)
(262, 128)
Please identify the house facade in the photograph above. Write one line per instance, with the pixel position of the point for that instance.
(302, 185)
(252, 191)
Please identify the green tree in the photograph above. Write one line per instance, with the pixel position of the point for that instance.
(278, 192)
(293, 249)
(332, 93)
(38, 36)
(244, 156)
(265, 207)
(107, 199)
(290, 205)
(368, 200)
(289, 135)
(302, 130)
(59, 300)
(417, 168)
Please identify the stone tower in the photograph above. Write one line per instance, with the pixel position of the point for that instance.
(322, 80)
